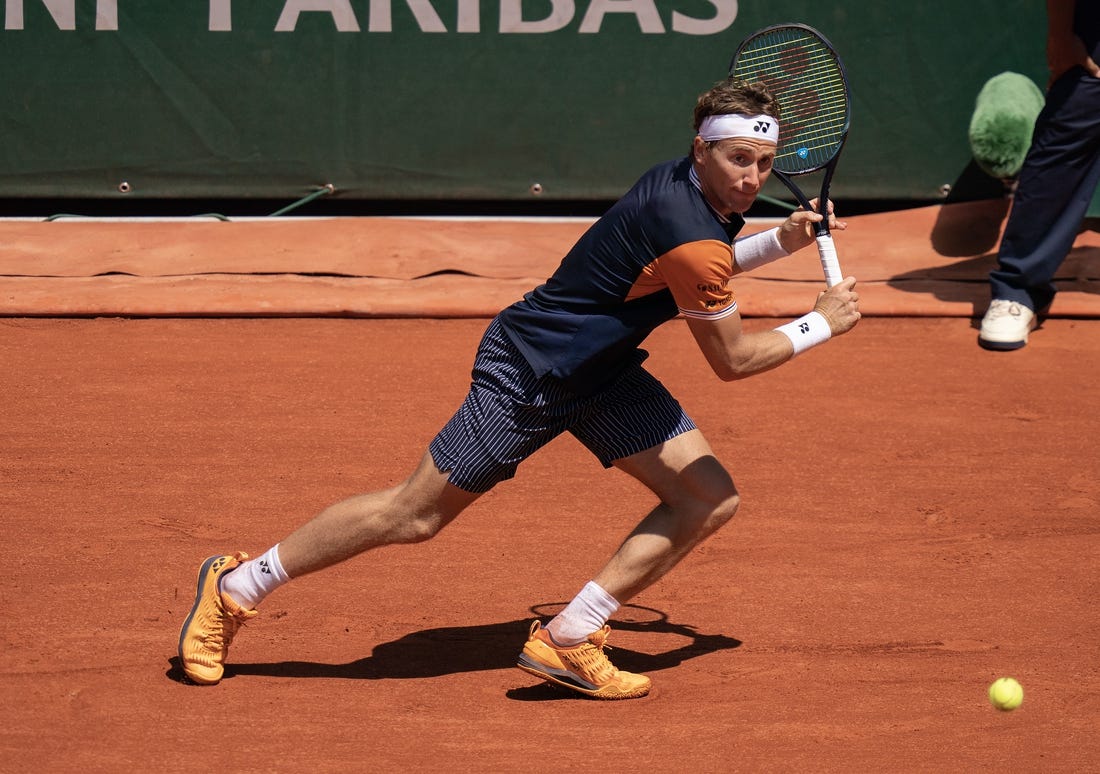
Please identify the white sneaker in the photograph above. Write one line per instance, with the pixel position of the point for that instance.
(1006, 325)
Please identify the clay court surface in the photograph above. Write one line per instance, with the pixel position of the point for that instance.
(919, 518)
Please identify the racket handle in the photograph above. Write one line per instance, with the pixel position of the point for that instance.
(826, 250)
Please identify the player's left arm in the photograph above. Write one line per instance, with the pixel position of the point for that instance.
(698, 275)
(734, 353)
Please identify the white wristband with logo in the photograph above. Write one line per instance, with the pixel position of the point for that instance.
(807, 331)
(756, 250)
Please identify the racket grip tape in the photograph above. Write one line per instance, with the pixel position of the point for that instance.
(826, 250)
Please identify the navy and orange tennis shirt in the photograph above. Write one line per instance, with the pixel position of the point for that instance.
(660, 251)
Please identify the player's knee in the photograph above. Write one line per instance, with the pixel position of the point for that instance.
(418, 530)
(712, 497)
(728, 507)
(421, 527)
(422, 506)
(723, 508)
(706, 511)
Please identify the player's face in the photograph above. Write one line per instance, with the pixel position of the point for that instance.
(732, 172)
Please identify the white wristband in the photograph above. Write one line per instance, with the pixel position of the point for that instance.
(755, 250)
(807, 331)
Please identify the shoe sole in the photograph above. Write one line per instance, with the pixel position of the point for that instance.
(203, 571)
(1001, 346)
(568, 680)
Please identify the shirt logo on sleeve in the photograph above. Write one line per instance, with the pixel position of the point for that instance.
(715, 303)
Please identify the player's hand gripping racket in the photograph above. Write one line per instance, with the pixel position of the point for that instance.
(801, 68)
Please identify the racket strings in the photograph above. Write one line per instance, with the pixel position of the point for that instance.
(809, 82)
(765, 60)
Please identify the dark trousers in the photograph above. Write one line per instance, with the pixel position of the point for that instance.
(1056, 185)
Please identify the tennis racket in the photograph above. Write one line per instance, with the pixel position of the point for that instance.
(801, 68)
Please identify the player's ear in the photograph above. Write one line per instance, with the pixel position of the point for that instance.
(698, 149)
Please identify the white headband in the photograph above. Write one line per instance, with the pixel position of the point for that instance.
(728, 125)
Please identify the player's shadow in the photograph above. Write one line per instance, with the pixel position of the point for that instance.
(482, 647)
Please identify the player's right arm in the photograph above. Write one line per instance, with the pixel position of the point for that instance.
(734, 353)
(793, 234)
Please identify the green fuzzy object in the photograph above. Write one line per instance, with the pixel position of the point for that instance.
(1004, 117)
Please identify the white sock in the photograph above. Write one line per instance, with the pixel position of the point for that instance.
(587, 613)
(248, 584)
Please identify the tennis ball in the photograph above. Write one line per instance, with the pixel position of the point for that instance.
(1006, 694)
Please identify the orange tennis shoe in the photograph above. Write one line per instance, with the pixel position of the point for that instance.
(214, 619)
(583, 668)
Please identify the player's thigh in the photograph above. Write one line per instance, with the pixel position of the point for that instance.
(508, 414)
(631, 415)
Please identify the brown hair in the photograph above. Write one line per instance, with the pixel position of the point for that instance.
(734, 95)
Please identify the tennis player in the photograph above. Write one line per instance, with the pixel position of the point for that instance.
(566, 358)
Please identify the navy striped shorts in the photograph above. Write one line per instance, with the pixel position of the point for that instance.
(510, 413)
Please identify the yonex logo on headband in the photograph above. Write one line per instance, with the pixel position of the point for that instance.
(729, 125)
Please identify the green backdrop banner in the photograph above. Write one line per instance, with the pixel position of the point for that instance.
(460, 99)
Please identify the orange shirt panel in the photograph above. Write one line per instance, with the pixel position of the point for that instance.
(697, 273)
